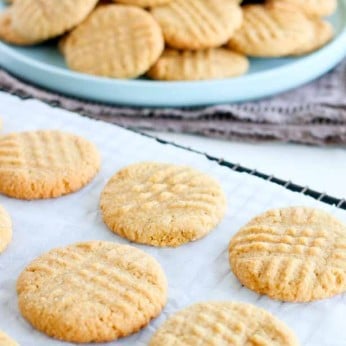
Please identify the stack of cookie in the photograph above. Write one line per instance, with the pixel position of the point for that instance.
(169, 39)
(100, 291)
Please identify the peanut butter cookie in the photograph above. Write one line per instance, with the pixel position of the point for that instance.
(295, 254)
(92, 292)
(162, 204)
(198, 24)
(5, 229)
(45, 164)
(223, 324)
(115, 41)
(214, 63)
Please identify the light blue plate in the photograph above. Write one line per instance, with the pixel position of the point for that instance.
(44, 66)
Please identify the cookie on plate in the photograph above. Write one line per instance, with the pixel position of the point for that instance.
(295, 254)
(7, 33)
(214, 63)
(272, 30)
(323, 33)
(5, 340)
(223, 324)
(162, 204)
(35, 21)
(45, 164)
(92, 292)
(143, 3)
(198, 24)
(5, 229)
(115, 41)
(313, 8)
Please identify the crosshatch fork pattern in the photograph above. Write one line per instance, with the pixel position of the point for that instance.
(45, 164)
(222, 324)
(117, 287)
(293, 254)
(50, 150)
(162, 204)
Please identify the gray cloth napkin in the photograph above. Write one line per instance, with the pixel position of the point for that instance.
(313, 114)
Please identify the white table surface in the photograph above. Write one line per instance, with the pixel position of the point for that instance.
(321, 168)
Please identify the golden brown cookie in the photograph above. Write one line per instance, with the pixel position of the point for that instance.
(45, 164)
(214, 63)
(5, 340)
(92, 292)
(115, 41)
(272, 31)
(223, 324)
(323, 33)
(293, 254)
(198, 24)
(32, 21)
(5, 229)
(7, 33)
(314, 8)
(162, 204)
(143, 3)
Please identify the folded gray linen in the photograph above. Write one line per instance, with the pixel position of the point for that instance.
(312, 114)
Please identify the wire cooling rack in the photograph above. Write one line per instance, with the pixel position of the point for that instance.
(320, 196)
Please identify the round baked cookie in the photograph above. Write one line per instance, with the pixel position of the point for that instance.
(295, 254)
(143, 3)
(5, 229)
(92, 292)
(323, 34)
(45, 164)
(198, 24)
(7, 33)
(162, 204)
(223, 324)
(214, 63)
(36, 21)
(5, 340)
(314, 8)
(272, 30)
(115, 41)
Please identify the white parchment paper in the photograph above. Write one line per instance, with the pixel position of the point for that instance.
(198, 271)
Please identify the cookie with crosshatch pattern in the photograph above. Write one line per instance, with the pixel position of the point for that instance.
(223, 324)
(35, 21)
(162, 204)
(272, 30)
(295, 254)
(95, 291)
(198, 24)
(5, 229)
(5, 340)
(115, 41)
(211, 63)
(45, 164)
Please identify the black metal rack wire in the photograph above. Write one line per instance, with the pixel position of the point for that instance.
(320, 196)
